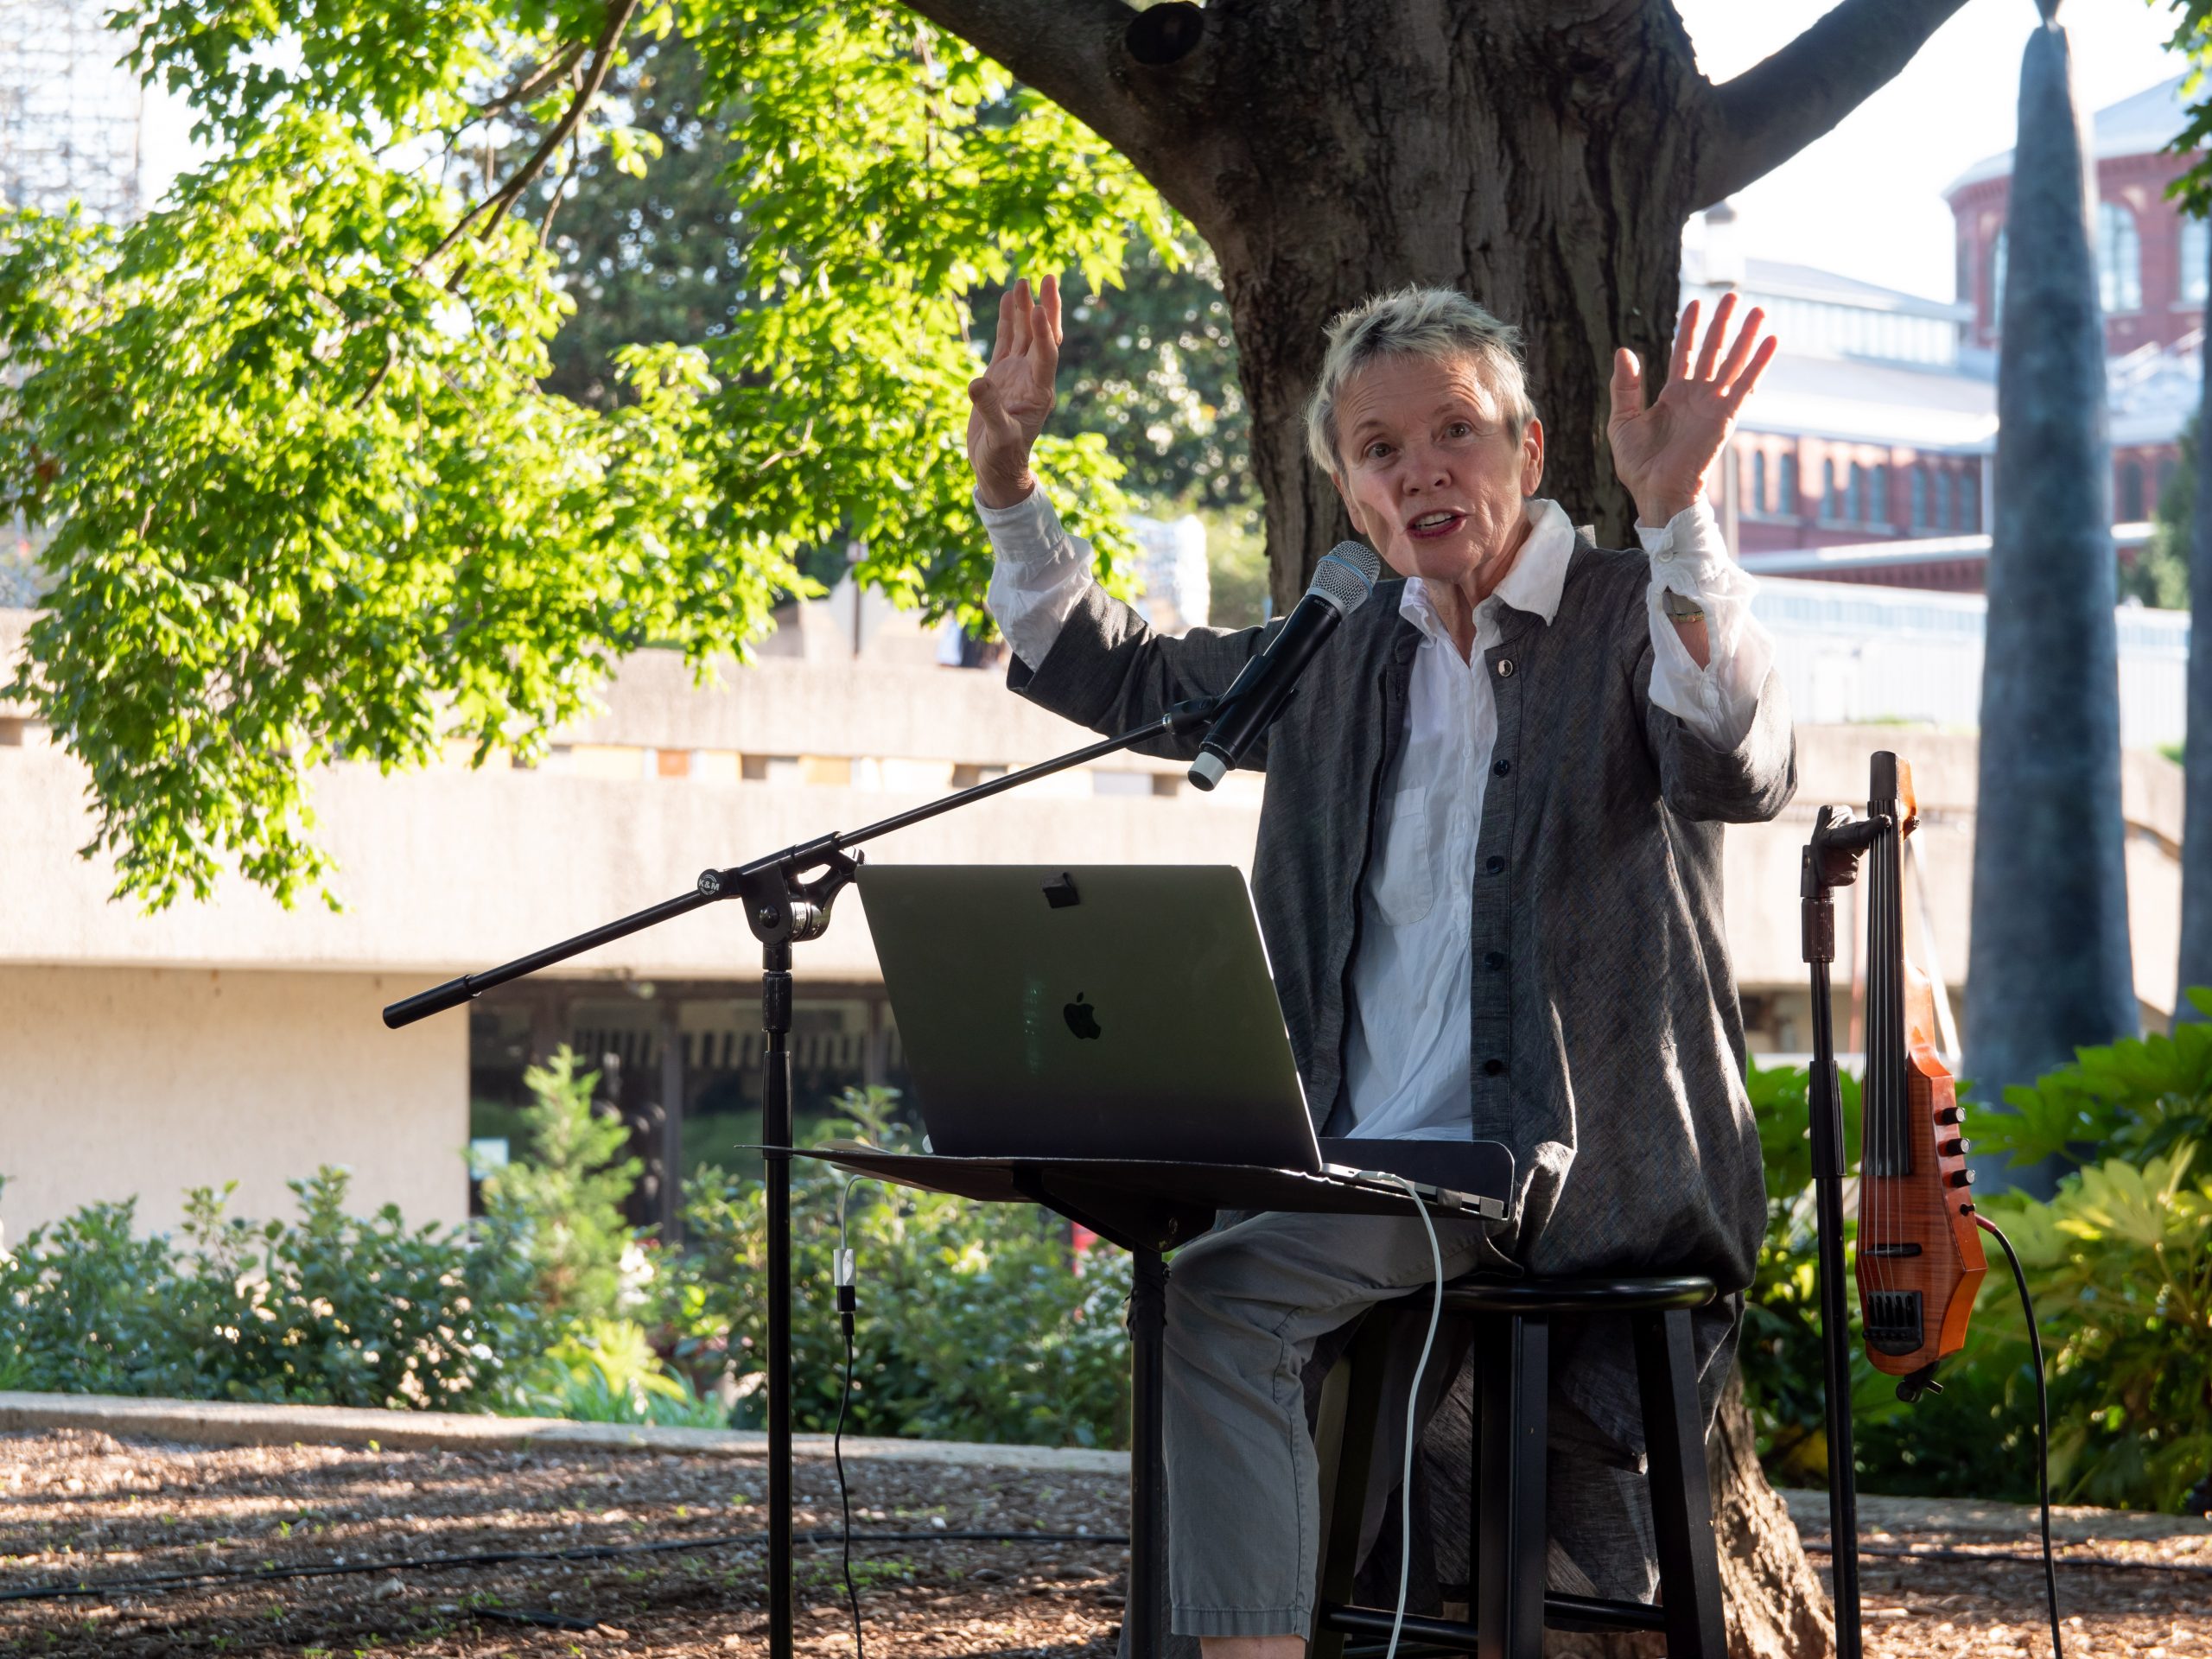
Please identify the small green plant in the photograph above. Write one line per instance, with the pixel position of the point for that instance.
(606, 1372)
(977, 1321)
(563, 1199)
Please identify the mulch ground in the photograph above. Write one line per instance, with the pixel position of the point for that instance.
(82, 1505)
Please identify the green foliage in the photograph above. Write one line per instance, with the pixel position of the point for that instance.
(2120, 1265)
(2135, 1099)
(563, 1199)
(606, 1372)
(330, 1310)
(976, 1321)
(311, 498)
(2159, 572)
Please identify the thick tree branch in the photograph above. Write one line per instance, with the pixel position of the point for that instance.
(1774, 109)
(1068, 50)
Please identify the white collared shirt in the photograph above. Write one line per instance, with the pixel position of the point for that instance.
(1407, 1045)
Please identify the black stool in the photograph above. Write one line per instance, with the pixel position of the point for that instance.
(1508, 1537)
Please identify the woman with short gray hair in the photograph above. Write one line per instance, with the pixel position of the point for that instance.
(1489, 877)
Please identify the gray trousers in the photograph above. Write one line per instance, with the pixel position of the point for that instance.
(1247, 1307)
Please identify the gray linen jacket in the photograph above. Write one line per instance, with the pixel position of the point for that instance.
(1607, 1041)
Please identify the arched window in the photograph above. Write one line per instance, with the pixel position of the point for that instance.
(1878, 503)
(1789, 506)
(2131, 492)
(1943, 499)
(1970, 497)
(2167, 468)
(1997, 281)
(2119, 260)
(1920, 497)
(1758, 480)
(1857, 509)
(2196, 260)
(1837, 501)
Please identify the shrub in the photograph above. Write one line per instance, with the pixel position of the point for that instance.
(332, 1310)
(2119, 1263)
(606, 1372)
(563, 1200)
(976, 1321)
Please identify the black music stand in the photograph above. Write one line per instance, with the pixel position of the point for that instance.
(1147, 1208)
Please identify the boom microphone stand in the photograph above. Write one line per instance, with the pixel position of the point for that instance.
(783, 910)
(1831, 860)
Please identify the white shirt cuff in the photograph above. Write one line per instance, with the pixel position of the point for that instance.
(1719, 701)
(1038, 573)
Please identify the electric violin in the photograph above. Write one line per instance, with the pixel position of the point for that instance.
(1919, 1261)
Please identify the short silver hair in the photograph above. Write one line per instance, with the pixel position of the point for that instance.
(1438, 323)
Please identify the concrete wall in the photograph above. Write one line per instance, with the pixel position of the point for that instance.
(117, 1081)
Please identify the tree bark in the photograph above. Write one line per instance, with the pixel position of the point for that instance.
(2050, 970)
(1540, 155)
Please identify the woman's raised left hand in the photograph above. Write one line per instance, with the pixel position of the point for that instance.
(1663, 451)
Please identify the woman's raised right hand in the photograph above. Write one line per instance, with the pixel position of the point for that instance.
(1008, 402)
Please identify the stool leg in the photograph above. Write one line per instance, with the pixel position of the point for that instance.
(1682, 1497)
(1510, 1542)
(1344, 1495)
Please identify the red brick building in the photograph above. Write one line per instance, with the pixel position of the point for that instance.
(1867, 456)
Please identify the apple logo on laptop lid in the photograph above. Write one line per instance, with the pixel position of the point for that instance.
(1083, 1018)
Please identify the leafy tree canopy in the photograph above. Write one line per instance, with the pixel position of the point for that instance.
(316, 492)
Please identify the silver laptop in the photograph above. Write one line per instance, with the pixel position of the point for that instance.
(1110, 1011)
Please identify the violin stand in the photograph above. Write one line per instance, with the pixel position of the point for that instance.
(1831, 860)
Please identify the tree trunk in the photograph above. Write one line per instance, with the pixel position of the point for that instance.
(1462, 146)
(2050, 970)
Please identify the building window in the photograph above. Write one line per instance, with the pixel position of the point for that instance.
(1878, 503)
(2167, 468)
(1997, 281)
(1788, 487)
(1835, 500)
(2119, 260)
(1942, 498)
(1920, 497)
(1758, 480)
(1855, 503)
(2131, 492)
(2195, 261)
(1970, 498)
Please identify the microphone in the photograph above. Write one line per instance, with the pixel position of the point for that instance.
(1342, 583)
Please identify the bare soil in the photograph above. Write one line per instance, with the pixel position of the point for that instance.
(77, 1505)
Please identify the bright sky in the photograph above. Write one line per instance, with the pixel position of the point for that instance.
(1866, 199)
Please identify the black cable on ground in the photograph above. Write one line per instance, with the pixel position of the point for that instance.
(511, 1557)
(2043, 1426)
(2109, 1563)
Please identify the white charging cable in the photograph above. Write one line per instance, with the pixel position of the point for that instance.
(1413, 1410)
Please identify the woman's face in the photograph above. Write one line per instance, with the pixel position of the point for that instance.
(1434, 476)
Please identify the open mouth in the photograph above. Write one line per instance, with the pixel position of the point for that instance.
(1430, 526)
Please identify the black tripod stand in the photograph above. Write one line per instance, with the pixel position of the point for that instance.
(783, 910)
(1831, 860)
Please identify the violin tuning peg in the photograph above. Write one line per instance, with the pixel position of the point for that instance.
(1954, 1148)
(1961, 1178)
(1950, 1115)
